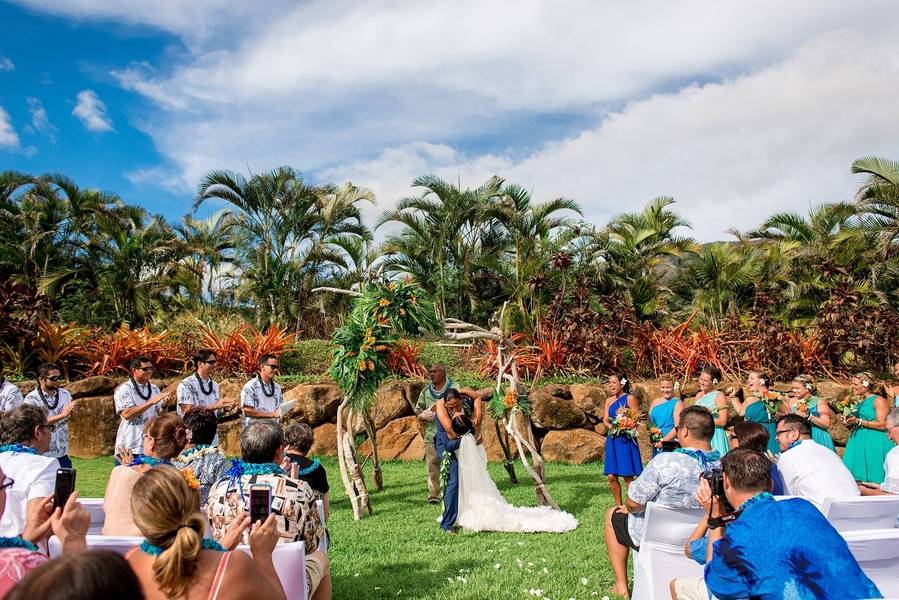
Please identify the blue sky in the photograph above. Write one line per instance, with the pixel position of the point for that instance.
(736, 111)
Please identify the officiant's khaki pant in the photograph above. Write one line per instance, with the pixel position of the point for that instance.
(433, 464)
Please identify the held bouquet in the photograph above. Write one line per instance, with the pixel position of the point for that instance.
(772, 401)
(625, 423)
(655, 434)
(848, 405)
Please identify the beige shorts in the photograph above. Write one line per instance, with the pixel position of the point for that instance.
(691, 588)
(315, 572)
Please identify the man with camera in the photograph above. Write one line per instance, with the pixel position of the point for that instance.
(765, 548)
(669, 479)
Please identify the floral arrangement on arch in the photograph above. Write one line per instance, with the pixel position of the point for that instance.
(510, 400)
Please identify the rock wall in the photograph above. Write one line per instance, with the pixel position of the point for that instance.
(567, 419)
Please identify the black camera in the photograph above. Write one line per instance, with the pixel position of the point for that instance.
(715, 477)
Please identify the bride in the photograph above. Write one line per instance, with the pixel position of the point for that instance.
(481, 506)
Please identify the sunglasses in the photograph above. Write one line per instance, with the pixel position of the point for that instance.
(149, 369)
(53, 378)
(272, 366)
(779, 432)
(7, 483)
(210, 362)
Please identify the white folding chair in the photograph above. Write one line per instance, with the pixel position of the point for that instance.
(95, 507)
(290, 565)
(855, 513)
(120, 544)
(661, 557)
(877, 552)
(323, 543)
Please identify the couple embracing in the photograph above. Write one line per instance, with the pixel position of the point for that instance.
(471, 499)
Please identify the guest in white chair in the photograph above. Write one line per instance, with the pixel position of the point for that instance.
(175, 561)
(670, 479)
(890, 484)
(809, 469)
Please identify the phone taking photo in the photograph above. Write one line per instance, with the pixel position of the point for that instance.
(65, 485)
(260, 502)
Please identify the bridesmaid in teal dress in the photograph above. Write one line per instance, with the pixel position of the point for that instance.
(665, 411)
(710, 398)
(805, 404)
(753, 409)
(868, 443)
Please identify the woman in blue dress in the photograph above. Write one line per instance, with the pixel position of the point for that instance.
(665, 411)
(622, 452)
(753, 409)
(805, 404)
(709, 397)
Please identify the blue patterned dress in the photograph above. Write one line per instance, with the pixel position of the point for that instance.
(622, 452)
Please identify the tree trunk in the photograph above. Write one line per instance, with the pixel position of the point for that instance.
(502, 436)
(376, 463)
(346, 460)
(524, 447)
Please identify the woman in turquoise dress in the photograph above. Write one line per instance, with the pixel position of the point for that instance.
(665, 411)
(622, 452)
(868, 443)
(805, 404)
(753, 409)
(893, 390)
(709, 397)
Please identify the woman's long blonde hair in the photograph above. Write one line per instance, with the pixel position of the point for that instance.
(166, 510)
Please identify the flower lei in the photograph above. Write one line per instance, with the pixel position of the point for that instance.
(757, 498)
(197, 452)
(315, 464)
(704, 458)
(148, 548)
(445, 461)
(17, 542)
(18, 448)
(150, 461)
(240, 468)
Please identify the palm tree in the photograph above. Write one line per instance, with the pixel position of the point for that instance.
(719, 280)
(878, 198)
(210, 243)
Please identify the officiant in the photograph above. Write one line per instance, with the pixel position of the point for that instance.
(424, 410)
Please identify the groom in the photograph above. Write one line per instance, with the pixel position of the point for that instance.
(447, 440)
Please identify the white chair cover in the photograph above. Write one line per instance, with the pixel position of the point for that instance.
(855, 513)
(114, 543)
(877, 551)
(290, 564)
(95, 507)
(661, 557)
(323, 543)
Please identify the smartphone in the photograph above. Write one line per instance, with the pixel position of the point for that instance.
(260, 502)
(670, 445)
(65, 485)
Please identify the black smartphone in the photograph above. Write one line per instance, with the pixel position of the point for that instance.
(260, 502)
(670, 445)
(65, 485)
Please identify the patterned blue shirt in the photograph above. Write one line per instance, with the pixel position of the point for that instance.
(784, 549)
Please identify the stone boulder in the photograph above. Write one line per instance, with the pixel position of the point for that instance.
(229, 436)
(589, 398)
(574, 446)
(552, 412)
(92, 427)
(394, 400)
(315, 404)
(324, 440)
(92, 386)
(838, 431)
(398, 440)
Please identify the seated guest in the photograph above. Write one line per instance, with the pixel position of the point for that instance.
(19, 554)
(809, 469)
(670, 479)
(748, 434)
(174, 561)
(206, 461)
(775, 549)
(86, 576)
(50, 395)
(293, 501)
(298, 440)
(24, 439)
(890, 484)
(164, 439)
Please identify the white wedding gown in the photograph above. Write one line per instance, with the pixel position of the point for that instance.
(482, 508)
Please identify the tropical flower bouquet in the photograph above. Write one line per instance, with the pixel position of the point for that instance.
(511, 399)
(848, 405)
(772, 401)
(625, 423)
(655, 434)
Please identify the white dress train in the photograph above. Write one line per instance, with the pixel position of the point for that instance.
(482, 507)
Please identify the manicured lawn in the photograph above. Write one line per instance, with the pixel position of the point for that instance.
(402, 553)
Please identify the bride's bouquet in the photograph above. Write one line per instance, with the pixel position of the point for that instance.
(625, 423)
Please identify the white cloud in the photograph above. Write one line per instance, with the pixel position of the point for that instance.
(6, 64)
(91, 111)
(8, 136)
(40, 121)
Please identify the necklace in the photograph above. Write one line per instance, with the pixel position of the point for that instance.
(55, 397)
(315, 464)
(202, 388)
(198, 451)
(148, 548)
(149, 461)
(268, 392)
(18, 448)
(239, 468)
(704, 458)
(17, 542)
(140, 393)
(754, 499)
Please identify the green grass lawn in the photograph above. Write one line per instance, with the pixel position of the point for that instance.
(400, 552)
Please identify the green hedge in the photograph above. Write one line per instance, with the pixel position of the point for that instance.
(307, 357)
